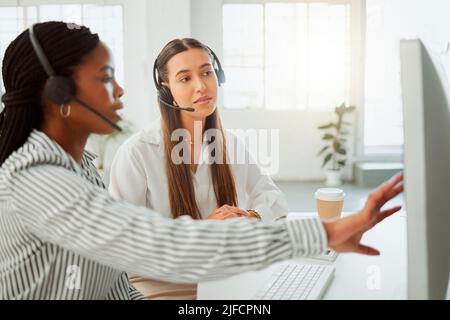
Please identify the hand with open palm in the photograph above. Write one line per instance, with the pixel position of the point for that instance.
(344, 235)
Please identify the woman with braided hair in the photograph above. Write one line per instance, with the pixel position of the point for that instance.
(62, 236)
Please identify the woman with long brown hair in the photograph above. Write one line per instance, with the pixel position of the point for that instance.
(180, 164)
(148, 169)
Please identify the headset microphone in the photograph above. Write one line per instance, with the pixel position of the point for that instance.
(189, 109)
(84, 104)
(59, 89)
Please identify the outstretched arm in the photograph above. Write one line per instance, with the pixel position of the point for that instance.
(60, 207)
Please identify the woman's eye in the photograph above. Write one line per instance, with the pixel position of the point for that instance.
(207, 73)
(108, 79)
(185, 79)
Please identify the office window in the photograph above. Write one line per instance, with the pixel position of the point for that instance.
(106, 20)
(287, 55)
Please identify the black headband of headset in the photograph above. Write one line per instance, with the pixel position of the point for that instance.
(40, 53)
(219, 66)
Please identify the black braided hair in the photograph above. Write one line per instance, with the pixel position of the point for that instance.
(24, 77)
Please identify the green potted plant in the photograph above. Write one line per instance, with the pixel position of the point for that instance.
(335, 152)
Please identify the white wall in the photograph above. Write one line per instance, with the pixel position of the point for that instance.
(389, 22)
(410, 19)
(137, 61)
(148, 26)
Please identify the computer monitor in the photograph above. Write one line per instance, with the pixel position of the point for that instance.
(427, 170)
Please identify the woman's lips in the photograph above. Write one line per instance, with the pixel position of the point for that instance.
(117, 116)
(118, 111)
(203, 101)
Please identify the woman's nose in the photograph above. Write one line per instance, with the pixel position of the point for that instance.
(200, 85)
(119, 92)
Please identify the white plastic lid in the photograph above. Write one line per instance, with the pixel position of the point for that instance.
(329, 194)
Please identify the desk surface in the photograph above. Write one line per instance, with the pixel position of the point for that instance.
(356, 276)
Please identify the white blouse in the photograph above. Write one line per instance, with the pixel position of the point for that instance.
(138, 175)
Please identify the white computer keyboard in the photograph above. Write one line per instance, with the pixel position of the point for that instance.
(295, 281)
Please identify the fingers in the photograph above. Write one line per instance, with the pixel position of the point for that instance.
(367, 250)
(384, 188)
(238, 211)
(226, 209)
(391, 194)
(226, 212)
(223, 216)
(221, 209)
(386, 213)
(394, 192)
(231, 215)
(384, 193)
(394, 181)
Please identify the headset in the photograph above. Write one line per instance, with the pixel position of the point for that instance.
(164, 94)
(60, 89)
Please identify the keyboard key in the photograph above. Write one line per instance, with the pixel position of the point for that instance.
(294, 281)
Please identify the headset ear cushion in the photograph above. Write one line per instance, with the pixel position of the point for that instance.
(165, 95)
(220, 76)
(60, 90)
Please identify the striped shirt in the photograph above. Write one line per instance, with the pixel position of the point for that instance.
(62, 236)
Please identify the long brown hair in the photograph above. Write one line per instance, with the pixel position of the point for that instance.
(179, 177)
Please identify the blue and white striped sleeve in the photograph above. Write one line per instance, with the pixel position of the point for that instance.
(60, 207)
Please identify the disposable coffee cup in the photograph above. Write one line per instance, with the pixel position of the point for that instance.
(330, 202)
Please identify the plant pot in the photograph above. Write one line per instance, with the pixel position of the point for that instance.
(333, 178)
